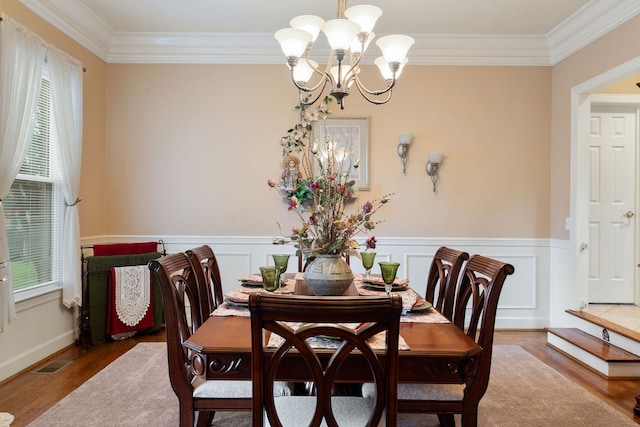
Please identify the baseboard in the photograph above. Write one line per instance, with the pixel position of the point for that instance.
(26, 360)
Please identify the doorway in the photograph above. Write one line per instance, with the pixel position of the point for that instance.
(583, 98)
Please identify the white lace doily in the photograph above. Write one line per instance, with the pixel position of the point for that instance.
(133, 293)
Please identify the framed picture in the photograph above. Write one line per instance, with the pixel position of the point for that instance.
(351, 138)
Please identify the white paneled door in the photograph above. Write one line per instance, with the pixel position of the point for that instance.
(612, 204)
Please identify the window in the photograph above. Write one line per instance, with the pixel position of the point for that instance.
(33, 207)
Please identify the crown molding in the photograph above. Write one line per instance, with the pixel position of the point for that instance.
(233, 48)
(588, 24)
(76, 21)
(595, 19)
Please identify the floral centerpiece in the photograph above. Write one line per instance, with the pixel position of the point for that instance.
(320, 200)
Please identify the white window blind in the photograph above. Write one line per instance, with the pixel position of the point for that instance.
(33, 207)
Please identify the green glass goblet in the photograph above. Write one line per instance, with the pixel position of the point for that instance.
(389, 270)
(367, 261)
(282, 262)
(270, 277)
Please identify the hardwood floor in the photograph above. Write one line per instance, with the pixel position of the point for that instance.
(28, 395)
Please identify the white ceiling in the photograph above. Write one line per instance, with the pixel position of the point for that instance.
(478, 32)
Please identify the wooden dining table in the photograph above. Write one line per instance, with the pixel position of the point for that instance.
(438, 352)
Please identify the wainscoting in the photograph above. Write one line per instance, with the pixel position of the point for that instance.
(524, 303)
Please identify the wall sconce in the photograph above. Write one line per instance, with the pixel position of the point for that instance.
(403, 149)
(435, 158)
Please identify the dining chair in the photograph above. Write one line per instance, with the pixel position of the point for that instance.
(475, 311)
(295, 323)
(180, 294)
(443, 278)
(207, 271)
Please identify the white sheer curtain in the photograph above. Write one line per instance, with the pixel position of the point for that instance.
(21, 59)
(65, 75)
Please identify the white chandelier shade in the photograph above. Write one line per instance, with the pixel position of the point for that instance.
(365, 16)
(293, 42)
(304, 70)
(349, 36)
(394, 48)
(385, 70)
(309, 23)
(340, 33)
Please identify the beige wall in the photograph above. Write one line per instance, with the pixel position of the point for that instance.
(92, 212)
(611, 50)
(187, 149)
(190, 148)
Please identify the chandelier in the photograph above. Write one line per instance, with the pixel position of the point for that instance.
(349, 36)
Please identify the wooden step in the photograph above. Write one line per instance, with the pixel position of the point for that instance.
(595, 346)
(605, 358)
(607, 324)
(618, 336)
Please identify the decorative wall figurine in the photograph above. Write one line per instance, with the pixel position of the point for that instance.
(291, 172)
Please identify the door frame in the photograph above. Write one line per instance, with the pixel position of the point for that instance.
(581, 98)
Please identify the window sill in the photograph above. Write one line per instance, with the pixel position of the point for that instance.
(28, 298)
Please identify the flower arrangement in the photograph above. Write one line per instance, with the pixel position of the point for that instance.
(370, 243)
(319, 201)
(301, 134)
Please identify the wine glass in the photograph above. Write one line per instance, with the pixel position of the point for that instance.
(282, 262)
(367, 261)
(270, 277)
(389, 270)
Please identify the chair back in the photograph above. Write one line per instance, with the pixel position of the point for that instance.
(207, 272)
(325, 317)
(443, 278)
(180, 295)
(477, 296)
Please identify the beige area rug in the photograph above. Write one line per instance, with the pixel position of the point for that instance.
(134, 390)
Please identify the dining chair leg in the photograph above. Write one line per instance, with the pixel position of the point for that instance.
(186, 415)
(470, 418)
(446, 420)
(205, 418)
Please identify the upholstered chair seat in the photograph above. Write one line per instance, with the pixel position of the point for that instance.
(232, 389)
(350, 411)
(422, 391)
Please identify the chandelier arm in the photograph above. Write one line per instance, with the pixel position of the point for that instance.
(354, 63)
(364, 90)
(322, 82)
(325, 74)
(366, 93)
(302, 90)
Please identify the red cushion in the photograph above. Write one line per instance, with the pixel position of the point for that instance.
(124, 248)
